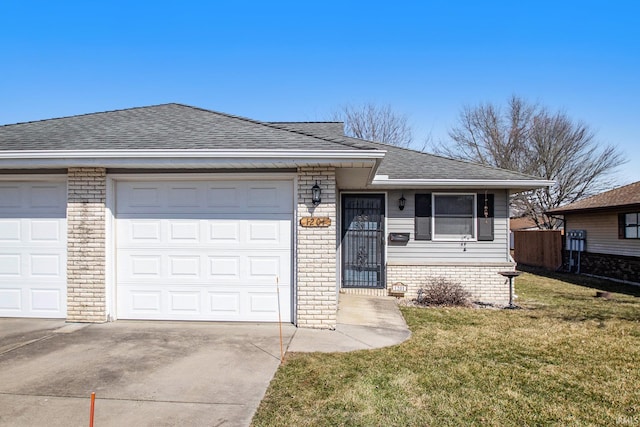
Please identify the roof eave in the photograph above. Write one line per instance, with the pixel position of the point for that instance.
(383, 181)
(624, 207)
(185, 158)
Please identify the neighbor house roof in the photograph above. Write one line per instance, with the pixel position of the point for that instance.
(522, 223)
(621, 197)
(180, 131)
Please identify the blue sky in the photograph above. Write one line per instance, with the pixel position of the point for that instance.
(301, 60)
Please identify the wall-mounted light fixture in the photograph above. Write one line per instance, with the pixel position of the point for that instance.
(401, 202)
(315, 194)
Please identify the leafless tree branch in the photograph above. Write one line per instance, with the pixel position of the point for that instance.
(528, 138)
(375, 123)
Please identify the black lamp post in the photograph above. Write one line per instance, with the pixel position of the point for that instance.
(315, 194)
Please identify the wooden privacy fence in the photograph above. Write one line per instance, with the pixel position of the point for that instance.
(540, 248)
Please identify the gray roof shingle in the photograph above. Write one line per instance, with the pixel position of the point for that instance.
(181, 127)
(404, 163)
(167, 126)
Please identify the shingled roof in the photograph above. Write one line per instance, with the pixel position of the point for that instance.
(167, 126)
(181, 127)
(404, 163)
(626, 196)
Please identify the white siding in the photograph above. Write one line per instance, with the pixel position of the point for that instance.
(445, 251)
(602, 234)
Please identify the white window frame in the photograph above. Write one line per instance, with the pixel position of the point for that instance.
(458, 237)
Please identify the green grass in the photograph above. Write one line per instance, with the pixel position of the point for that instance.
(566, 358)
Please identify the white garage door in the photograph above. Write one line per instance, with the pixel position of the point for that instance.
(33, 249)
(204, 250)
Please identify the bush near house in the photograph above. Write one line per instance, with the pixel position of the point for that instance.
(566, 358)
(443, 292)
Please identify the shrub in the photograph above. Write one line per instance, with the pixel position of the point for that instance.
(442, 291)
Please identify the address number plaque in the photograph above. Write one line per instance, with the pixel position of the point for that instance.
(319, 221)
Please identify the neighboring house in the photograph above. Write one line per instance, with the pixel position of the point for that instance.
(180, 213)
(612, 240)
(523, 223)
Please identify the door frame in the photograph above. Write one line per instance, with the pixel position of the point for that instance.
(340, 216)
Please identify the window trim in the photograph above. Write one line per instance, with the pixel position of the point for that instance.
(458, 238)
(625, 226)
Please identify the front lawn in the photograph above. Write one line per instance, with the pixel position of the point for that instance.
(566, 358)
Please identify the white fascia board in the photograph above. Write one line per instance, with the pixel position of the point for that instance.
(383, 181)
(168, 158)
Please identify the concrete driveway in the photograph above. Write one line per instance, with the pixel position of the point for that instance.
(143, 373)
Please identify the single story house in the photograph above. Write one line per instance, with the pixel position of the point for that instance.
(609, 223)
(172, 212)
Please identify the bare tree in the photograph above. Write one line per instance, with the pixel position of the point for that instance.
(375, 123)
(528, 138)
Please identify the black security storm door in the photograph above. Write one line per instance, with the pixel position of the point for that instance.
(362, 241)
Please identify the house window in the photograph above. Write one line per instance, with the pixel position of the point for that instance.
(454, 216)
(632, 225)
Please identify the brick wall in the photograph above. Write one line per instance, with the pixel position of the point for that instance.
(86, 188)
(481, 280)
(316, 251)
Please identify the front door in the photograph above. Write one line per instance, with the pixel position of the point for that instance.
(362, 241)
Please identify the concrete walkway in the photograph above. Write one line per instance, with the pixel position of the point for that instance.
(364, 322)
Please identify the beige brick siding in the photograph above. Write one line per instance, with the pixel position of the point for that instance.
(316, 251)
(365, 291)
(86, 188)
(481, 280)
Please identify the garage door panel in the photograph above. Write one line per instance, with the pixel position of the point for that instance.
(143, 196)
(210, 251)
(10, 230)
(33, 249)
(184, 196)
(44, 196)
(45, 229)
(187, 265)
(225, 303)
(139, 302)
(141, 231)
(46, 300)
(32, 199)
(206, 196)
(224, 268)
(11, 300)
(187, 302)
(45, 265)
(266, 232)
(11, 196)
(184, 267)
(10, 264)
(224, 232)
(223, 197)
(41, 300)
(184, 231)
